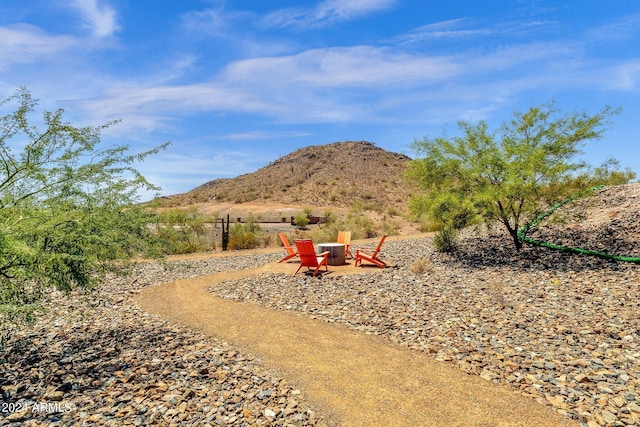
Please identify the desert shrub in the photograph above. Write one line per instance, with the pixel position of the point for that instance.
(367, 195)
(393, 211)
(267, 239)
(360, 225)
(240, 239)
(301, 221)
(176, 241)
(326, 233)
(428, 225)
(390, 228)
(330, 217)
(371, 206)
(212, 218)
(445, 239)
(182, 231)
(245, 236)
(422, 266)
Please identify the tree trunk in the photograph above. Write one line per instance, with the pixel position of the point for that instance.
(513, 231)
(516, 240)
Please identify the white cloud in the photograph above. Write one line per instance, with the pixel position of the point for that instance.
(620, 30)
(100, 19)
(178, 170)
(344, 10)
(264, 135)
(24, 44)
(359, 66)
(359, 84)
(461, 29)
(625, 76)
(327, 12)
(211, 22)
(442, 30)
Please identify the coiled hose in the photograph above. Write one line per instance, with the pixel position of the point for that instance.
(524, 238)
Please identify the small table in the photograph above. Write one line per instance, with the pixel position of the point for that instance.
(336, 252)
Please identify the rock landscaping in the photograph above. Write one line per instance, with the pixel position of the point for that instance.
(561, 328)
(96, 359)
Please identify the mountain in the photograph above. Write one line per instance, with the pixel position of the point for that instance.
(338, 175)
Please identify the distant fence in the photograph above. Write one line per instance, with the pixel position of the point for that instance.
(283, 220)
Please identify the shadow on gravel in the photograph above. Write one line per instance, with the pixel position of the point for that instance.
(498, 251)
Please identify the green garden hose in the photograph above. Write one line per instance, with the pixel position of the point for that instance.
(523, 231)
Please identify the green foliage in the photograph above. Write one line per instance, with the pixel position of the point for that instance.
(245, 235)
(183, 231)
(329, 216)
(606, 174)
(326, 233)
(393, 211)
(509, 176)
(66, 207)
(301, 221)
(390, 227)
(361, 226)
(445, 239)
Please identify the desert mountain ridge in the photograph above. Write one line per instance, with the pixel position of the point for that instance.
(339, 174)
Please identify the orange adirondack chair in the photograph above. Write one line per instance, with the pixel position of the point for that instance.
(309, 258)
(366, 254)
(291, 253)
(344, 237)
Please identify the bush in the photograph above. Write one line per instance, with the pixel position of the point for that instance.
(178, 241)
(241, 239)
(393, 211)
(68, 207)
(183, 231)
(301, 221)
(390, 228)
(445, 239)
(245, 236)
(422, 266)
(429, 225)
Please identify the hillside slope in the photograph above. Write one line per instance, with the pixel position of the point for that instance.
(338, 174)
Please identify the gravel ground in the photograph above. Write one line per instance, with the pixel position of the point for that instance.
(561, 328)
(97, 360)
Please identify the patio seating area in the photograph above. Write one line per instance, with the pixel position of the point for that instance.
(318, 258)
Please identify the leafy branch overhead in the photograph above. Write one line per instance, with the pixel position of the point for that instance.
(66, 204)
(511, 175)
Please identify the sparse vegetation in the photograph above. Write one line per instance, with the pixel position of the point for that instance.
(245, 235)
(445, 239)
(422, 266)
(301, 221)
(351, 171)
(183, 231)
(390, 227)
(509, 176)
(393, 211)
(66, 207)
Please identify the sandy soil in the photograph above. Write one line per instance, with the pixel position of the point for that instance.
(352, 378)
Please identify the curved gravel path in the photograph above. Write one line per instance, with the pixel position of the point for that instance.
(355, 379)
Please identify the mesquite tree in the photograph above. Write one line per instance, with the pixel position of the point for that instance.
(67, 206)
(511, 175)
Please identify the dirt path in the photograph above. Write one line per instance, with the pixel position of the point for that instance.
(355, 379)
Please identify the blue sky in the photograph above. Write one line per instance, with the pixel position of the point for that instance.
(237, 84)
